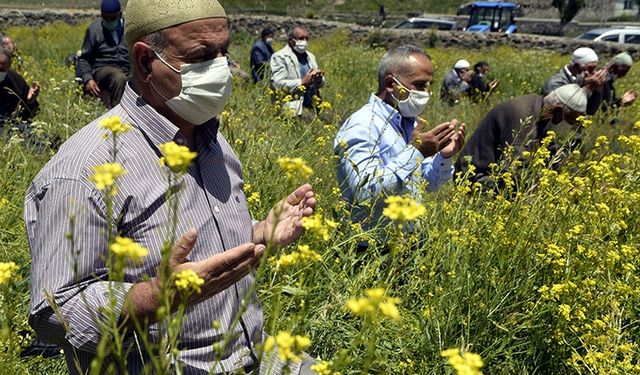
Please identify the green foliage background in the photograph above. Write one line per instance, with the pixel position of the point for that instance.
(473, 283)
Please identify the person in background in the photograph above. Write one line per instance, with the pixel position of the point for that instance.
(103, 64)
(261, 52)
(520, 122)
(456, 82)
(181, 84)
(385, 149)
(18, 100)
(479, 89)
(581, 71)
(294, 71)
(617, 68)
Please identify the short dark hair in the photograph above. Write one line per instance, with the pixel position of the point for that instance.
(266, 31)
(480, 64)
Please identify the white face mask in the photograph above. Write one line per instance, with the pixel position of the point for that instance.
(206, 86)
(414, 104)
(268, 40)
(301, 46)
(3, 75)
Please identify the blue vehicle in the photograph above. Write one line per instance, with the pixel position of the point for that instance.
(489, 16)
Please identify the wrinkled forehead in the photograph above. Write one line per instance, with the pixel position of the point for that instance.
(209, 32)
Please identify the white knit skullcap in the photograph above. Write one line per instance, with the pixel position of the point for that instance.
(572, 96)
(461, 64)
(622, 59)
(584, 55)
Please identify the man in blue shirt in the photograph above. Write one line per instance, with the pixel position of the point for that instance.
(261, 55)
(384, 148)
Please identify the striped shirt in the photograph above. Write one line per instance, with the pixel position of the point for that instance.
(68, 255)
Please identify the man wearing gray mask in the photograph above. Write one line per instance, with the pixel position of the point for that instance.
(181, 83)
(294, 71)
(384, 148)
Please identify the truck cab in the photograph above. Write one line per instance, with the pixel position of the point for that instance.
(488, 16)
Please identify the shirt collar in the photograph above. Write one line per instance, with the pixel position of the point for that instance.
(157, 128)
(386, 112)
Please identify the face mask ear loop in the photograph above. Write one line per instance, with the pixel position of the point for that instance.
(164, 62)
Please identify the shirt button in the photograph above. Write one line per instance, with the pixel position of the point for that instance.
(216, 209)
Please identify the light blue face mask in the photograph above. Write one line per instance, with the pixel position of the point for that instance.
(111, 25)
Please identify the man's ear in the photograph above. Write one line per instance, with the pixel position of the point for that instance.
(557, 113)
(389, 82)
(142, 57)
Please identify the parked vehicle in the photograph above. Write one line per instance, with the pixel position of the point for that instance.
(426, 23)
(488, 16)
(617, 35)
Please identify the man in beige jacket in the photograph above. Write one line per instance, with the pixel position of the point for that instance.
(294, 71)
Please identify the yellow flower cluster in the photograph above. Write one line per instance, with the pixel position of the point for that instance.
(115, 124)
(126, 248)
(467, 364)
(375, 303)
(6, 271)
(303, 255)
(324, 368)
(188, 282)
(176, 157)
(585, 122)
(403, 209)
(289, 346)
(105, 176)
(295, 167)
(3, 202)
(318, 225)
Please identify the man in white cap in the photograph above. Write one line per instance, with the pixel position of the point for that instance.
(581, 71)
(520, 122)
(385, 149)
(617, 68)
(181, 83)
(456, 82)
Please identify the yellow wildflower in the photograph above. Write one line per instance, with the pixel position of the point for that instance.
(289, 346)
(3, 202)
(318, 225)
(466, 364)
(584, 121)
(176, 157)
(114, 124)
(403, 209)
(324, 368)
(187, 281)
(295, 167)
(6, 271)
(375, 302)
(636, 125)
(126, 248)
(105, 176)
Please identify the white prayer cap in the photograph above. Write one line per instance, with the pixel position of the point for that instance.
(584, 55)
(622, 59)
(571, 96)
(462, 64)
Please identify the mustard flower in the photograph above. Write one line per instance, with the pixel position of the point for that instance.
(289, 346)
(293, 167)
(318, 226)
(176, 157)
(105, 176)
(584, 121)
(403, 209)
(636, 125)
(187, 281)
(324, 368)
(124, 247)
(464, 364)
(114, 124)
(375, 303)
(6, 271)
(3, 202)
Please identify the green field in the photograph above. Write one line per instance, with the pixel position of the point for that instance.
(540, 281)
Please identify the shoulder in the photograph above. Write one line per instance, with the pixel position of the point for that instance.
(15, 77)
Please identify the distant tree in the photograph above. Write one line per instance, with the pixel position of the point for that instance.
(568, 9)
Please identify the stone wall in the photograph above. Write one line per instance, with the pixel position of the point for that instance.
(378, 36)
